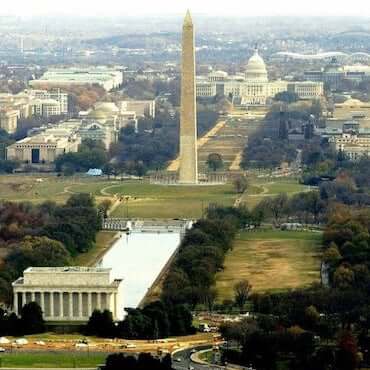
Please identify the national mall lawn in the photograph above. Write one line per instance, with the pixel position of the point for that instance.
(52, 359)
(271, 260)
(139, 198)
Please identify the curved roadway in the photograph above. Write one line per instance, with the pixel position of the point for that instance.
(181, 359)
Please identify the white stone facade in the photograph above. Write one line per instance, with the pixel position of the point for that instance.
(354, 146)
(307, 89)
(142, 108)
(46, 146)
(69, 294)
(253, 87)
(108, 78)
(9, 120)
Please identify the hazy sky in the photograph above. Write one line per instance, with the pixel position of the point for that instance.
(209, 7)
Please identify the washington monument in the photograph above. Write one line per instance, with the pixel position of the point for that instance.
(188, 120)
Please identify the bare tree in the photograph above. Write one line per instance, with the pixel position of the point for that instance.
(241, 292)
(240, 184)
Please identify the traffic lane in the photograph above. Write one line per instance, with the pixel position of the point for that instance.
(181, 360)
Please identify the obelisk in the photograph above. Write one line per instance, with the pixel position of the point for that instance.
(188, 118)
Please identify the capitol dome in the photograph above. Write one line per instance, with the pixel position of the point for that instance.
(256, 69)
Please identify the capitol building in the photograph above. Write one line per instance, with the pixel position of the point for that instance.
(253, 87)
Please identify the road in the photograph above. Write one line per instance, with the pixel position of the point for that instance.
(181, 361)
(185, 362)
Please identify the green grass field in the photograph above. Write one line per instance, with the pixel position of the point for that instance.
(145, 200)
(260, 188)
(271, 260)
(52, 359)
(156, 201)
(38, 188)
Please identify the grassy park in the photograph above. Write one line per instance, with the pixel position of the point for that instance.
(156, 201)
(144, 200)
(260, 188)
(52, 359)
(271, 261)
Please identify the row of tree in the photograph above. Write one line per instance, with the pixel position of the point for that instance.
(29, 322)
(144, 361)
(155, 320)
(44, 235)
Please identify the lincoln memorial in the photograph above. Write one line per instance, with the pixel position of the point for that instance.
(69, 294)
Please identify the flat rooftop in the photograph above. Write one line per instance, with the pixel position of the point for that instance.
(67, 269)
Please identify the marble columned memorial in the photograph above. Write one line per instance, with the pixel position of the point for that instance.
(68, 293)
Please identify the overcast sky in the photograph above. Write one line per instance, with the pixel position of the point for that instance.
(168, 7)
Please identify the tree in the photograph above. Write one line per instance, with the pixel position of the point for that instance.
(346, 358)
(343, 277)
(241, 292)
(8, 166)
(144, 361)
(101, 324)
(275, 207)
(104, 207)
(312, 316)
(332, 254)
(240, 184)
(214, 161)
(37, 251)
(81, 200)
(32, 321)
(109, 170)
(209, 298)
(286, 97)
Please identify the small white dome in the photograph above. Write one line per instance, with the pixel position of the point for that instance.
(256, 69)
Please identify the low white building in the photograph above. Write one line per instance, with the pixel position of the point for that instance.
(45, 108)
(47, 145)
(55, 95)
(9, 120)
(353, 145)
(108, 78)
(142, 108)
(307, 89)
(69, 294)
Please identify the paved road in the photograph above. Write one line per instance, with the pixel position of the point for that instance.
(181, 359)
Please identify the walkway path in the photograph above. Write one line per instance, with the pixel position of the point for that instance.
(174, 165)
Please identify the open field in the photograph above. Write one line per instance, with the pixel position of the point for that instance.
(40, 187)
(52, 359)
(157, 201)
(59, 350)
(271, 261)
(260, 188)
(145, 200)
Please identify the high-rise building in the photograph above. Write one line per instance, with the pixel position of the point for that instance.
(188, 121)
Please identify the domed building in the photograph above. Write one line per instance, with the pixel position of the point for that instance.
(101, 124)
(253, 88)
(256, 69)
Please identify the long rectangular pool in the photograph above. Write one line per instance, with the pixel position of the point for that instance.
(138, 259)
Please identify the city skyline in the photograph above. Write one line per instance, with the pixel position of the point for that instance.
(166, 7)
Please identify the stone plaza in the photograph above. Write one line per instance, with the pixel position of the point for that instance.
(69, 294)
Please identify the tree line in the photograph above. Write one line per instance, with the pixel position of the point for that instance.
(44, 235)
